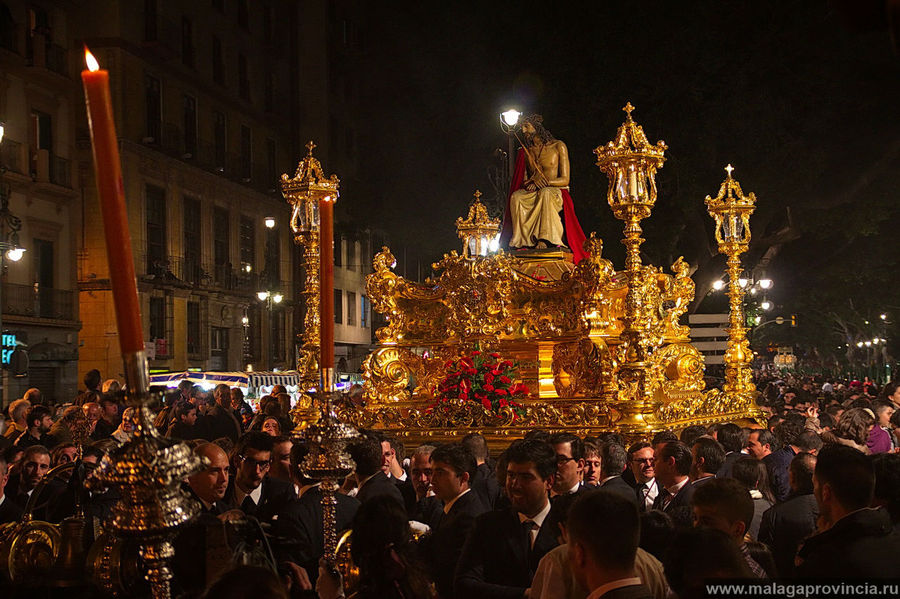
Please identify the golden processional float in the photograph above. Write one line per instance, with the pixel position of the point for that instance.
(598, 349)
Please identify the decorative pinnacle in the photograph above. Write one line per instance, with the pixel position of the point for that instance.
(477, 195)
(628, 108)
(309, 146)
(729, 169)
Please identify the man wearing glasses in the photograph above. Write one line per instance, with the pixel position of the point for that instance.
(251, 490)
(640, 458)
(569, 450)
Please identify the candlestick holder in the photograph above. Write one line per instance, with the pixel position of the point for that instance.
(148, 471)
(731, 210)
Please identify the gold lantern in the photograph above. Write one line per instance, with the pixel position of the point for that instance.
(478, 231)
(630, 163)
(731, 210)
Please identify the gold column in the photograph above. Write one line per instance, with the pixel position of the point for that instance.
(731, 210)
(630, 162)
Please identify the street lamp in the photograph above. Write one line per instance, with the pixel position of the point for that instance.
(272, 299)
(269, 222)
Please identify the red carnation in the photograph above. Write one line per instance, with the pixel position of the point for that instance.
(471, 371)
(476, 353)
(489, 378)
(495, 355)
(503, 403)
(486, 403)
(496, 372)
(488, 388)
(500, 391)
(505, 379)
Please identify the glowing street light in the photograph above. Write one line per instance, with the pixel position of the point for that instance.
(269, 222)
(718, 284)
(262, 295)
(765, 283)
(510, 117)
(883, 317)
(15, 254)
(766, 305)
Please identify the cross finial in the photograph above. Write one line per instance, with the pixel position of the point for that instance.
(728, 170)
(309, 146)
(628, 108)
(477, 195)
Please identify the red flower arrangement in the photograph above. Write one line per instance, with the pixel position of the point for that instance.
(484, 378)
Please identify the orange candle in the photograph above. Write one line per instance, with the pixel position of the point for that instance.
(326, 283)
(108, 174)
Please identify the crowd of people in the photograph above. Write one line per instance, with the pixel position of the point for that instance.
(811, 494)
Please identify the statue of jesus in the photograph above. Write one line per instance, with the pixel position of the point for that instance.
(539, 191)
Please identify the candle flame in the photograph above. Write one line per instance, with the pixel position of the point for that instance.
(92, 63)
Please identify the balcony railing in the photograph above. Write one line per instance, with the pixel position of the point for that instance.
(38, 302)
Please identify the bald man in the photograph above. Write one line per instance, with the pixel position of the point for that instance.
(209, 485)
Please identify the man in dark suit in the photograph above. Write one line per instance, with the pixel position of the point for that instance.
(613, 459)
(9, 510)
(35, 464)
(707, 458)
(604, 531)
(208, 486)
(428, 505)
(219, 420)
(853, 542)
(504, 547)
(672, 465)
(785, 525)
(569, 450)
(731, 437)
(484, 482)
(372, 481)
(251, 490)
(452, 469)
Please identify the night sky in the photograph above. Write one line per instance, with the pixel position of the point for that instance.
(803, 104)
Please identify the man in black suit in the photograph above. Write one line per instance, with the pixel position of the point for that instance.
(371, 480)
(38, 421)
(219, 420)
(484, 482)
(604, 531)
(672, 465)
(452, 468)
(852, 542)
(569, 450)
(504, 547)
(785, 525)
(613, 459)
(35, 464)
(428, 505)
(208, 486)
(731, 437)
(707, 458)
(641, 459)
(251, 490)
(9, 511)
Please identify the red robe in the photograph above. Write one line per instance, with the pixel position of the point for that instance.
(574, 235)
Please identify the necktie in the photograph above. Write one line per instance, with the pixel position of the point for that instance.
(664, 498)
(248, 506)
(528, 526)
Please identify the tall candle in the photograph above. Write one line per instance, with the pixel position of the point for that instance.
(108, 174)
(326, 283)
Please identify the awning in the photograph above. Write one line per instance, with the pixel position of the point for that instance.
(232, 379)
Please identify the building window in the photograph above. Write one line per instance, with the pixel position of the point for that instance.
(351, 308)
(221, 256)
(248, 242)
(339, 251)
(193, 328)
(187, 42)
(157, 256)
(272, 274)
(218, 61)
(243, 14)
(243, 77)
(190, 127)
(271, 171)
(193, 240)
(158, 325)
(153, 105)
(246, 155)
(364, 311)
(338, 306)
(278, 327)
(219, 140)
(218, 358)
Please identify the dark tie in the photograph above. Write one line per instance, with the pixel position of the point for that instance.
(528, 526)
(248, 506)
(664, 499)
